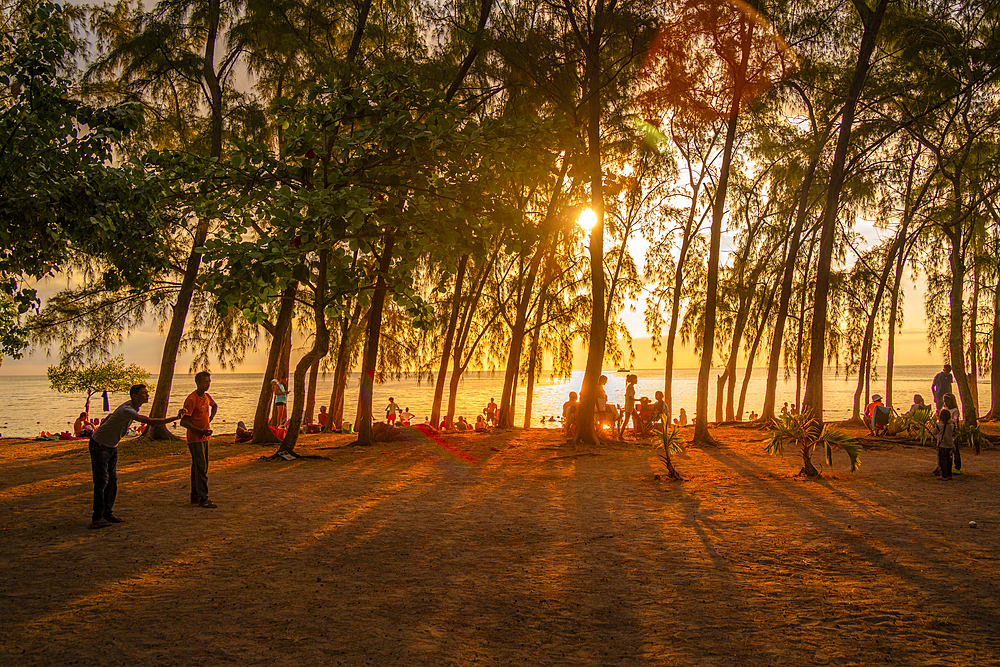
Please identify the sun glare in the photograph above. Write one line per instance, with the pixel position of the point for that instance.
(587, 219)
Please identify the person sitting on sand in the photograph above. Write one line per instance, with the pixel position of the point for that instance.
(919, 405)
(82, 427)
(645, 411)
(480, 423)
(243, 434)
(569, 413)
(659, 408)
(462, 424)
(870, 414)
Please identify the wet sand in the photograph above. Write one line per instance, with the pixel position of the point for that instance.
(508, 548)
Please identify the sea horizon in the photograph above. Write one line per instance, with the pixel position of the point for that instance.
(237, 392)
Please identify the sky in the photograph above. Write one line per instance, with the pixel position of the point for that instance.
(145, 346)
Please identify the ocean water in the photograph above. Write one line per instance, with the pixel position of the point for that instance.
(28, 406)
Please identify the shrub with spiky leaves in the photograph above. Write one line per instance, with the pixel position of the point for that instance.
(969, 436)
(805, 433)
(918, 424)
(670, 440)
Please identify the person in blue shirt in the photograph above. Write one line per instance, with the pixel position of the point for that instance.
(941, 386)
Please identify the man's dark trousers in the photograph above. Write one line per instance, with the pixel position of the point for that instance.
(104, 463)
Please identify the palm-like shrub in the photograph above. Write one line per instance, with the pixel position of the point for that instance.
(969, 436)
(670, 440)
(918, 424)
(805, 433)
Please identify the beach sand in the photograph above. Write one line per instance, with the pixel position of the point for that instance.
(510, 548)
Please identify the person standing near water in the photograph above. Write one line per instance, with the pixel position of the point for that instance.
(280, 400)
(630, 382)
(941, 386)
(199, 409)
(104, 452)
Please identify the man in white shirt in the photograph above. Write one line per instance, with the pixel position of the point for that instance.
(104, 453)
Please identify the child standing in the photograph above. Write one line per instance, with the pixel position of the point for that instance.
(944, 433)
(390, 412)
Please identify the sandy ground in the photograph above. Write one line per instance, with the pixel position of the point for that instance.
(511, 548)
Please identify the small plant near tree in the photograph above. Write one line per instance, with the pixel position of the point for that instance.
(111, 375)
(670, 440)
(969, 436)
(918, 424)
(804, 432)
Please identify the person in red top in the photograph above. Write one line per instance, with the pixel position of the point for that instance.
(199, 409)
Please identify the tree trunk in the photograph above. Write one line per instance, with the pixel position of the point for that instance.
(864, 370)
(801, 331)
(533, 356)
(973, 343)
(777, 338)
(586, 429)
(701, 434)
(281, 372)
(994, 414)
(345, 355)
(321, 346)
(365, 433)
(172, 342)
(872, 20)
(720, 389)
(261, 433)
(311, 390)
(506, 414)
(449, 338)
(753, 349)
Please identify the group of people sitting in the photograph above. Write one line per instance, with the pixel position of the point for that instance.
(877, 414)
(83, 427)
(646, 415)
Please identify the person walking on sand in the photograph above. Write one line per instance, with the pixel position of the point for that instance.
(199, 411)
(941, 386)
(104, 452)
(280, 403)
(944, 434)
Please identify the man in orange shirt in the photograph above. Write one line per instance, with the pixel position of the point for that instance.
(199, 411)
